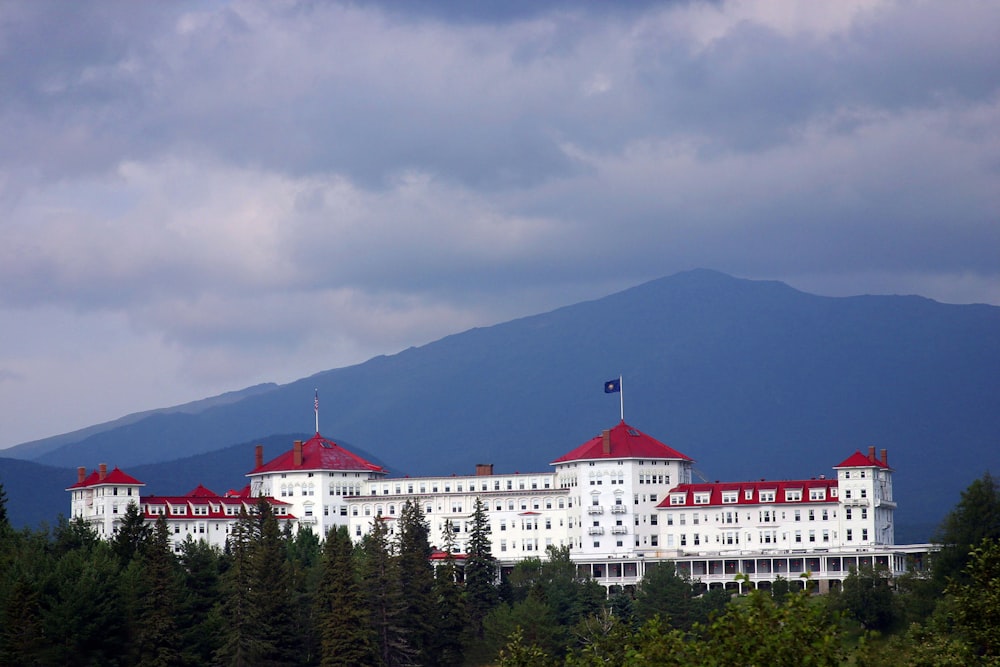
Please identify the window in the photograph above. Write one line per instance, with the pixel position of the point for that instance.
(864, 534)
(793, 495)
(654, 540)
(864, 512)
(767, 496)
(701, 498)
(798, 515)
(850, 535)
(675, 499)
(729, 497)
(653, 519)
(847, 513)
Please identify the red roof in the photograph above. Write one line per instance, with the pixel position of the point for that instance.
(115, 476)
(624, 442)
(754, 488)
(216, 505)
(859, 460)
(318, 453)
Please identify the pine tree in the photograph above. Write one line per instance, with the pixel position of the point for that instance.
(976, 517)
(480, 572)
(447, 647)
(345, 628)
(5, 527)
(239, 646)
(416, 578)
(270, 595)
(131, 536)
(156, 633)
(201, 623)
(380, 581)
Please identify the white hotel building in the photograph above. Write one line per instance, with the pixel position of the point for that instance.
(620, 501)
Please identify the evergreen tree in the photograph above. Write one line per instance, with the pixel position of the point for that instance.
(666, 594)
(239, 646)
(976, 602)
(345, 626)
(450, 613)
(867, 597)
(5, 527)
(201, 622)
(82, 610)
(22, 637)
(157, 638)
(481, 594)
(305, 557)
(975, 518)
(416, 580)
(270, 595)
(386, 607)
(131, 536)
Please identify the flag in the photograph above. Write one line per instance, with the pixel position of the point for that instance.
(613, 386)
(316, 402)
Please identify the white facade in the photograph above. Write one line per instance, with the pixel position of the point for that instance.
(102, 498)
(619, 501)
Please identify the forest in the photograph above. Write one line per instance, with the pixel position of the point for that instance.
(274, 597)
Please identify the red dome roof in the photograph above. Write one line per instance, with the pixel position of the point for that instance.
(623, 442)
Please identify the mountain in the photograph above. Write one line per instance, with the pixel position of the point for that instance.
(750, 378)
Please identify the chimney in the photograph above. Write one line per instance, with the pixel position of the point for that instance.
(484, 469)
(81, 474)
(102, 471)
(871, 453)
(884, 456)
(606, 441)
(258, 456)
(297, 454)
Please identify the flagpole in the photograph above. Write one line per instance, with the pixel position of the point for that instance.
(316, 409)
(621, 396)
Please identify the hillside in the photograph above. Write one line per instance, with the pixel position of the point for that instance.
(750, 378)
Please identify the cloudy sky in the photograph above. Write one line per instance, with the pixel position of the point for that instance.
(197, 197)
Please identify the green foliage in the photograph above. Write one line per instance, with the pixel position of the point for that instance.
(132, 535)
(345, 632)
(518, 654)
(481, 594)
(416, 579)
(977, 602)
(450, 612)
(975, 518)
(867, 597)
(386, 605)
(156, 635)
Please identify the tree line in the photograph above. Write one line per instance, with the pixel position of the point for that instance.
(278, 597)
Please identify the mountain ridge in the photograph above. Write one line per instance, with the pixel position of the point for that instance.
(750, 378)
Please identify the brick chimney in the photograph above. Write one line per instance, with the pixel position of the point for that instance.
(258, 456)
(81, 474)
(484, 469)
(606, 441)
(884, 457)
(871, 453)
(297, 454)
(102, 471)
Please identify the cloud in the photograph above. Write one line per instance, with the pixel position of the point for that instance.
(313, 183)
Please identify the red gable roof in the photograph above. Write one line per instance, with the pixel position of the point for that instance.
(859, 460)
(741, 488)
(201, 492)
(318, 453)
(625, 442)
(116, 476)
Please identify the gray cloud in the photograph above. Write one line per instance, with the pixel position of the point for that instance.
(213, 184)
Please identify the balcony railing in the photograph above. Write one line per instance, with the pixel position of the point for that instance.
(595, 509)
(619, 530)
(595, 530)
(618, 509)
